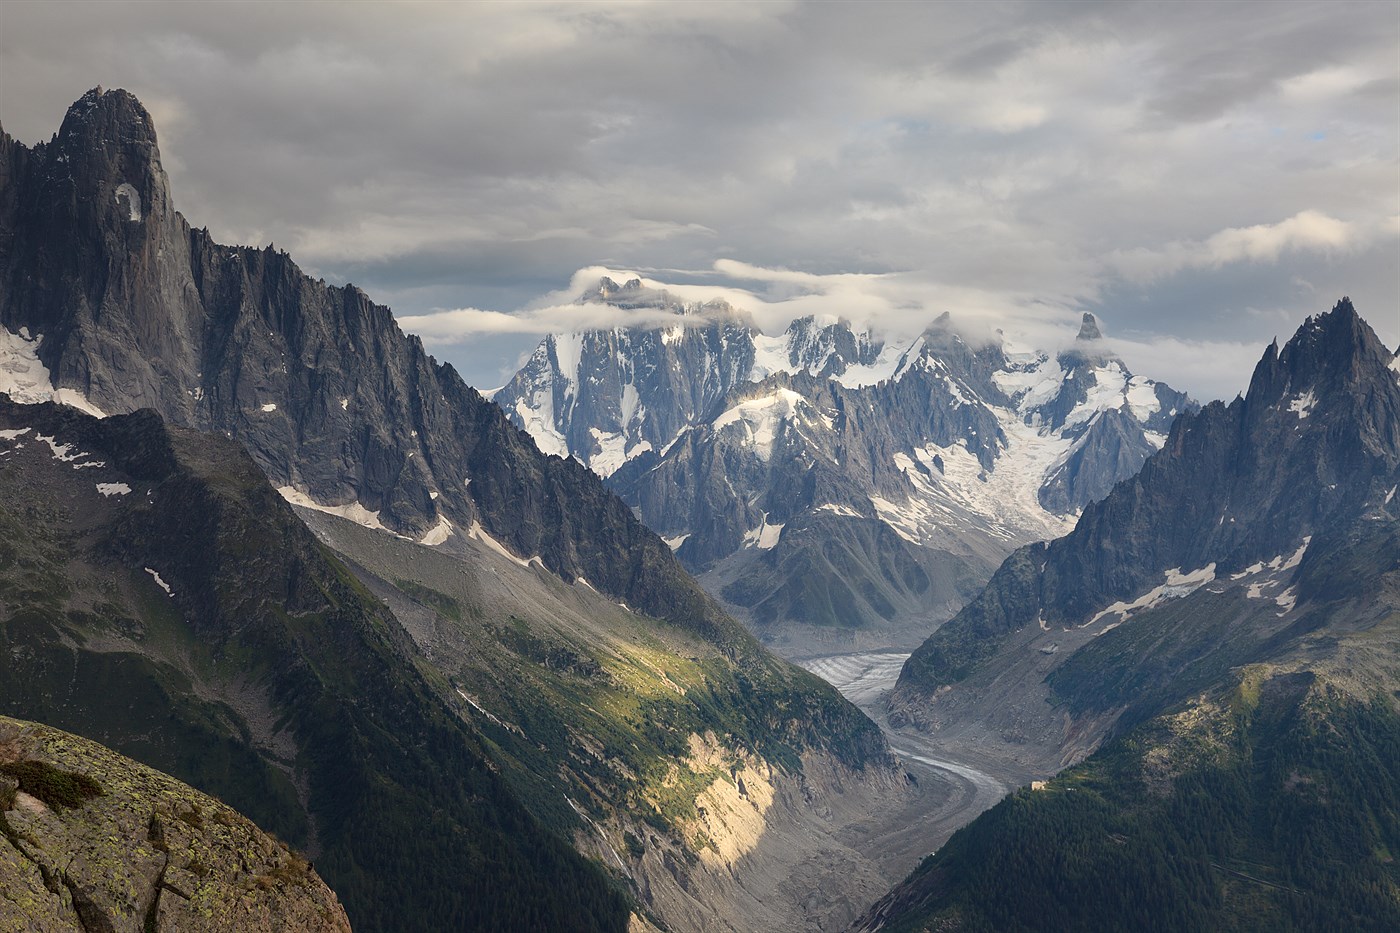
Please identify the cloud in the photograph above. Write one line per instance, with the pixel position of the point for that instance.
(1158, 163)
(1208, 369)
(1306, 231)
(892, 306)
(889, 304)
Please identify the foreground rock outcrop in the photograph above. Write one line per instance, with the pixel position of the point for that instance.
(93, 841)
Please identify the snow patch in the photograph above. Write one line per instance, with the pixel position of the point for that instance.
(1301, 405)
(1109, 391)
(22, 376)
(676, 542)
(126, 192)
(477, 533)
(1279, 563)
(1177, 585)
(538, 419)
(835, 509)
(159, 582)
(765, 536)
(353, 510)
(113, 489)
(768, 536)
(770, 355)
(568, 354)
(75, 399)
(438, 533)
(27, 381)
(1031, 385)
(1142, 398)
(270, 406)
(61, 452)
(628, 404)
(611, 453)
(762, 418)
(345, 404)
(14, 433)
(859, 375)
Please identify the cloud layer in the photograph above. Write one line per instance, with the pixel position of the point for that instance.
(1200, 175)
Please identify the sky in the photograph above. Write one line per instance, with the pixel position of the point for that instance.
(1201, 176)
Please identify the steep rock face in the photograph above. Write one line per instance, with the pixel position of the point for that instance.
(119, 846)
(959, 450)
(1239, 509)
(127, 307)
(156, 566)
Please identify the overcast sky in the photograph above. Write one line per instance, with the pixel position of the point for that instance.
(1201, 175)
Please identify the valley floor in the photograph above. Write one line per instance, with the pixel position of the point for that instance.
(955, 784)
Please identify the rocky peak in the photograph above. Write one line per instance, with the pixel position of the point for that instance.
(106, 154)
(630, 294)
(1314, 445)
(827, 346)
(1089, 328)
(1335, 348)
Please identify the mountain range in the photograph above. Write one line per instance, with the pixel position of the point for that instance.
(253, 536)
(1224, 628)
(502, 676)
(832, 488)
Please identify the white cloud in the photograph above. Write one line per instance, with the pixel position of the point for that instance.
(890, 304)
(1306, 231)
(1160, 163)
(1208, 369)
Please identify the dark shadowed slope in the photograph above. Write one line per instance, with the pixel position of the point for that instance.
(158, 596)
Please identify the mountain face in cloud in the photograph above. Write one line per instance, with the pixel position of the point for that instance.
(836, 487)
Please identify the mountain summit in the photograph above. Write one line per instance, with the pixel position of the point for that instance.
(1089, 328)
(1252, 499)
(1227, 624)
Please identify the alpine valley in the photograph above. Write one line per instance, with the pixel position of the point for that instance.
(300, 631)
(487, 693)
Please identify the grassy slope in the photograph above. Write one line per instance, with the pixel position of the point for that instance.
(579, 698)
(1274, 806)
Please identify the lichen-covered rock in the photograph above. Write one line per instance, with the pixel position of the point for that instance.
(93, 841)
